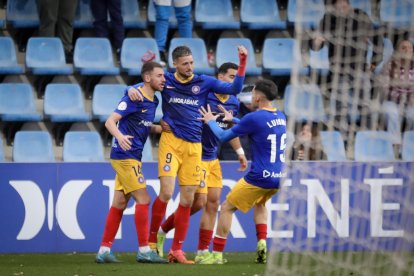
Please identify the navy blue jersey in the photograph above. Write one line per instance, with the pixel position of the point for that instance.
(137, 118)
(210, 141)
(267, 132)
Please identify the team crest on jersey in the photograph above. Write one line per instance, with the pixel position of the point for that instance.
(167, 168)
(195, 89)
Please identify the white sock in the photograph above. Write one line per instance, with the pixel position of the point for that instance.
(199, 252)
(144, 249)
(104, 249)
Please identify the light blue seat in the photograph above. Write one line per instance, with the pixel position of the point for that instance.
(319, 60)
(227, 52)
(82, 146)
(132, 51)
(280, 55)
(8, 59)
(17, 103)
(264, 14)
(2, 159)
(83, 17)
(364, 5)
(45, 56)
(64, 103)
(33, 146)
(306, 13)
(215, 14)
(391, 112)
(158, 111)
(93, 56)
(304, 103)
(199, 50)
(398, 14)
(407, 149)
(131, 15)
(172, 22)
(371, 146)
(105, 100)
(147, 152)
(22, 14)
(333, 145)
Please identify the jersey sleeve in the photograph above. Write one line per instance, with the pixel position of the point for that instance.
(134, 86)
(221, 87)
(126, 107)
(245, 126)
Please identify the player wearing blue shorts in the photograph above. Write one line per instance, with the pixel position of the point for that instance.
(266, 129)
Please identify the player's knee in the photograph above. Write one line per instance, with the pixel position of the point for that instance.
(165, 196)
(199, 204)
(212, 205)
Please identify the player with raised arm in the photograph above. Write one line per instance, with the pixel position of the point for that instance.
(130, 124)
(266, 129)
(207, 195)
(180, 150)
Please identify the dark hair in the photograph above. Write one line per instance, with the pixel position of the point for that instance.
(181, 51)
(148, 67)
(226, 66)
(268, 88)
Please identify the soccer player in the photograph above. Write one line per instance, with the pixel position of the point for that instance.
(179, 153)
(130, 124)
(208, 193)
(266, 129)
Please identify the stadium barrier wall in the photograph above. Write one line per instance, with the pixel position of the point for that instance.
(62, 207)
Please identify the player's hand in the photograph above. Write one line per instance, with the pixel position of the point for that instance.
(207, 114)
(228, 117)
(243, 162)
(301, 154)
(125, 142)
(165, 126)
(135, 95)
(242, 53)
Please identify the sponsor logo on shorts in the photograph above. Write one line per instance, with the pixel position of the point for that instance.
(167, 168)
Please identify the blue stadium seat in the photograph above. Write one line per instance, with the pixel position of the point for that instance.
(333, 145)
(8, 59)
(45, 56)
(33, 146)
(147, 152)
(64, 103)
(82, 146)
(307, 13)
(158, 111)
(304, 103)
(132, 51)
(319, 61)
(227, 52)
(263, 14)
(83, 17)
(131, 15)
(22, 14)
(215, 14)
(364, 5)
(408, 146)
(279, 57)
(17, 103)
(151, 15)
(391, 112)
(371, 146)
(397, 14)
(93, 56)
(199, 50)
(2, 159)
(105, 99)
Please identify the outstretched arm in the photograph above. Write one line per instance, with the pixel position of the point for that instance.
(210, 119)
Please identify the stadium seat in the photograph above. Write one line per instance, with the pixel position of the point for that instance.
(199, 50)
(132, 51)
(227, 52)
(64, 103)
(2, 159)
(22, 14)
(45, 56)
(365, 5)
(215, 14)
(83, 17)
(132, 16)
(333, 145)
(93, 56)
(151, 15)
(304, 103)
(8, 59)
(319, 61)
(105, 99)
(82, 146)
(33, 146)
(306, 13)
(408, 146)
(397, 14)
(391, 112)
(371, 146)
(279, 57)
(158, 111)
(264, 14)
(147, 152)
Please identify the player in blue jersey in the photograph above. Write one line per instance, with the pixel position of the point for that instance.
(179, 153)
(266, 128)
(207, 195)
(130, 124)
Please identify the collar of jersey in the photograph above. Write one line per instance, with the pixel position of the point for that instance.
(145, 95)
(183, 81)
(274, 109)
(222, 97)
